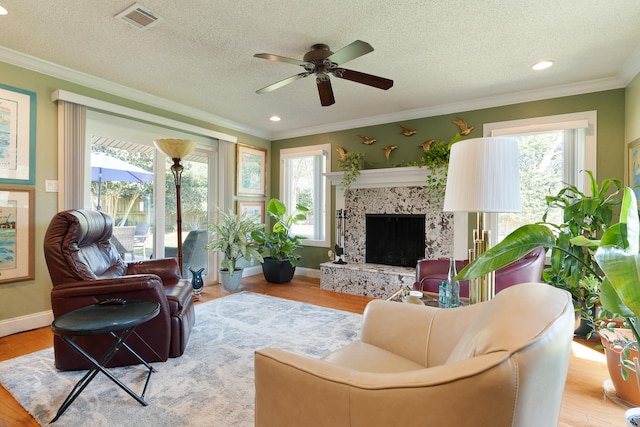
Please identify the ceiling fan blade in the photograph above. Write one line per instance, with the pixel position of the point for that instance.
(351, 51)
(366, 79)
(278, 58)
(281, 83)
(324, 90)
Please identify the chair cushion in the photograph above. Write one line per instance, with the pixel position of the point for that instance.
(365, 357)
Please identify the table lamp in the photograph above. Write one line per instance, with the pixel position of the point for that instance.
(176, 149)
(483, 176)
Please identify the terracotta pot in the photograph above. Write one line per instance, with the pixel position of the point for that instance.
(626, 390)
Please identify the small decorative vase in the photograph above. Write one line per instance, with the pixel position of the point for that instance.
(197, 283)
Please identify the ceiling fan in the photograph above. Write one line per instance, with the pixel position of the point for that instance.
(321, 61)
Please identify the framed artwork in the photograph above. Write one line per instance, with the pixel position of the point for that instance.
(16, 233)
(17, 135)
(634, 166)
(252, 207)
(252, 172)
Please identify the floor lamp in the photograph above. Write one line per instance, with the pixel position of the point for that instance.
(483, 177)
(176, 149)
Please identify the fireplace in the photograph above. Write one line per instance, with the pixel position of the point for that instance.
(395, 239)
(386, 192)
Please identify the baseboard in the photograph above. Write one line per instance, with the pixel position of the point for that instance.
(25, 323)
(300, 271)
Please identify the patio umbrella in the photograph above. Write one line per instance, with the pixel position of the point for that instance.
(107, 168)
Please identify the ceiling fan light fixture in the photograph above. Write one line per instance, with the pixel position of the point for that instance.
(322, 62)
(542, 65)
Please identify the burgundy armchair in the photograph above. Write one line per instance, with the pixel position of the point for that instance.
(431, 272)
(85, 268)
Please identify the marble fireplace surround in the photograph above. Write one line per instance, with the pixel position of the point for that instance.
(390, 191)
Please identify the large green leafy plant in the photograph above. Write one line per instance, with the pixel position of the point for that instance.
(231, 235)
(281, 243)
(618, 255)
(573, 265)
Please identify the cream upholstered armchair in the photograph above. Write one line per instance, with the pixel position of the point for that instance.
(498, 363)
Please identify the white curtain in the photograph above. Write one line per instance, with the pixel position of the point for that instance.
(72, 123)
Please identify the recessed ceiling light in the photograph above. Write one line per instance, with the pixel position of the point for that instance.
(542, 65)
(3, 11)
(274, 118)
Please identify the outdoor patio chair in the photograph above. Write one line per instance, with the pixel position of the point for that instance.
(122, 238)
(140, 238)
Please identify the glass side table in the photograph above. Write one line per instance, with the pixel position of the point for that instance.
(109, 316)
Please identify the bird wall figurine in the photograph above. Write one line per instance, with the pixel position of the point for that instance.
(366, 140)
(388, 149)
(406, 131)
(465, 129)
(341, 151)
(427, 144)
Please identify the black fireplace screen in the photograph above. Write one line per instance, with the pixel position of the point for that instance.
(395, 239)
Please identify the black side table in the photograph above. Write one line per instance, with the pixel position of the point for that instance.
(98, 319)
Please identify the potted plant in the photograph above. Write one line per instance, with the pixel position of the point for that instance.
(618, 255)
(280, 243)
(350, 163)
(231, 235)
(572, 265)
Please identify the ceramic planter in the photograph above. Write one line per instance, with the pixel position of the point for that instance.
(230, 283)
(276, 271)
(633, 417)
(628, 390)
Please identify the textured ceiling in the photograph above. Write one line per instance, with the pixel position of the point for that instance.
(443, 55)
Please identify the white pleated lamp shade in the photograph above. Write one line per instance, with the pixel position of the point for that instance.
(175, 148)
(483, 176)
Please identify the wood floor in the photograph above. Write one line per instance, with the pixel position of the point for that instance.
(584, 403)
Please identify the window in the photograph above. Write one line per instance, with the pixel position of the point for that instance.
(553, 150)
(147, 198)
(302, 182)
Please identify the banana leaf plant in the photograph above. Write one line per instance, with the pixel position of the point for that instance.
(572, 266)
(618, 255)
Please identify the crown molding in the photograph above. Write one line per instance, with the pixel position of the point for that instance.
(457, 107)
(628, 72)
(54, 70)
(631, 68)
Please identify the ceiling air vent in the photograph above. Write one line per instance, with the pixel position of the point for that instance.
(139, 17)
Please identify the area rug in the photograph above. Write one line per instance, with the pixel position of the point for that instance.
(212, 384)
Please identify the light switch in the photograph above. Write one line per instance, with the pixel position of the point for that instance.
(51, 186)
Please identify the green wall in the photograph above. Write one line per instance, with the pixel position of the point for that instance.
(32, 296)
(610, 107)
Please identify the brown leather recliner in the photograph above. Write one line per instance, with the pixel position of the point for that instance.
(431, 272)
(85, 268)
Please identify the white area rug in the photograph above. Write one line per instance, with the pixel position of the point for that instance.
(212, 384)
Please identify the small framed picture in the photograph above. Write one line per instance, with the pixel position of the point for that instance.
(634, 167)
(17, 135)
(252, 207)
(17, 215)
(252, 166)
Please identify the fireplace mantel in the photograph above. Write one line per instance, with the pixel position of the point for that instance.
(388, 177)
